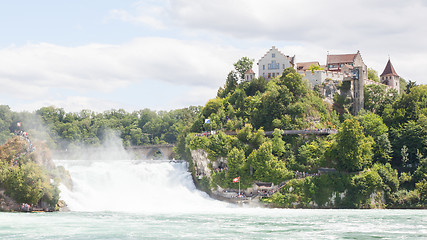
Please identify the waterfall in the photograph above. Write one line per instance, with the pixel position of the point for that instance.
(133, 186)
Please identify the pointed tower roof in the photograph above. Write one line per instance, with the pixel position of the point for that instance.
(389, 69)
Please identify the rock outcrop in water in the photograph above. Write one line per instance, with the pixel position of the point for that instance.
(28, 176)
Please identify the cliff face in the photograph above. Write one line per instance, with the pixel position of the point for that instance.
(201, 163)
(261, 196)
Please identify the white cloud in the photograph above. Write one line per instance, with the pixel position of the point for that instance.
(33, 69)
(45, 74)
(194, 97)
(148, 13)
(71, 104)
(376, 28)
(328, 21)
(202, 39)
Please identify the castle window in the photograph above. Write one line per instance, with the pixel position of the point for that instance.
(269, 75)
(274, 74)
(263, 67)
(273, 65)
(273, 55)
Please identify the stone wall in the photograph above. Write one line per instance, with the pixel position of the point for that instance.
(319, 76)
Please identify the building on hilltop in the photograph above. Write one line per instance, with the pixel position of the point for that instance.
(389, 77)
(339, 68)
(343, 62)
(249, 75)
(304, 66)
(355, 71)
(273, 63)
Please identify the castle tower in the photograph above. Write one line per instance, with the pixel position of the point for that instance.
(389, 77)
(360, 74)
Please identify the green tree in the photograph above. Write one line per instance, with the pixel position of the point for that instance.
(257, 85)
(314, 67)
(212, 106)
(411, 106)
(421, 188)
(402, 83)
(352, 151)
(409, 86)
(266, 166)
(376, 97)
(28, 183)
(230, 85)
(373, 125)
(242, 65)
(382, 149)
(363, 185)
(293, 81)
(236, 161)
(6, 116)
(277, 143)
(373, 75)
(412, 135)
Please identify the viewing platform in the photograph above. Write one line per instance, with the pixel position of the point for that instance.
(296, 132)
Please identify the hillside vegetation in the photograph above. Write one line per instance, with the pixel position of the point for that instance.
(379, 157)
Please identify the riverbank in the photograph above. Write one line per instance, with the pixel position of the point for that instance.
(7, 204)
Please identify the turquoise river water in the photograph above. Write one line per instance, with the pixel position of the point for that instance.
(127, 199)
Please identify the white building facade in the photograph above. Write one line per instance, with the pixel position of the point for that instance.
(317, 77)
(273, 63)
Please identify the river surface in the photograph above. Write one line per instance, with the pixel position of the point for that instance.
(126, 199)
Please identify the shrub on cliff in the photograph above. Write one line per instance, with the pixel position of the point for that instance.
(23, 179)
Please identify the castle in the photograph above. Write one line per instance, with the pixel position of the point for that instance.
(339, 68)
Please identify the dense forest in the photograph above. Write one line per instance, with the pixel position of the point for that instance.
(379, 155)
(68, 130)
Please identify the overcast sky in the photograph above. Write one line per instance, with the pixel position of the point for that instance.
(163, 55)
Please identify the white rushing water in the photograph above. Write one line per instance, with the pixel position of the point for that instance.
(134, 186)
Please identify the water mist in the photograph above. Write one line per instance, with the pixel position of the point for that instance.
(111, 181)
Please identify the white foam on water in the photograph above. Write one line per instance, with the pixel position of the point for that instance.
(134, 186)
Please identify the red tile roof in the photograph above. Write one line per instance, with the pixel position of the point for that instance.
(249, 71)
(303, 66)
(340, 58)
(389, 70)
